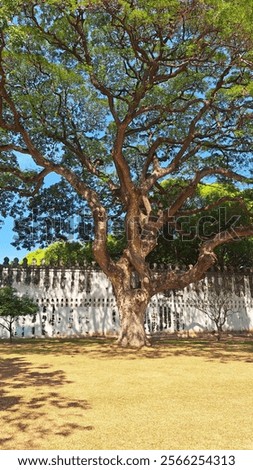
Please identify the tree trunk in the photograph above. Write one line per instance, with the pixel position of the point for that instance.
(132, 307)
(219, 330)
(10, 332)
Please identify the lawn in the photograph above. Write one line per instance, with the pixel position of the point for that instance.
(87, 394)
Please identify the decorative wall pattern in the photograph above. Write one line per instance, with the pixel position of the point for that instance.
(79, 301)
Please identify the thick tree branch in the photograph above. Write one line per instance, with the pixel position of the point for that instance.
(211, 206)
(77, 24)
(31, 178)
(13, 148)
(99, 213)
(26, 177)
(207, 104)
(153, 225)
(191, 188)
(77, 150)
(207, 257)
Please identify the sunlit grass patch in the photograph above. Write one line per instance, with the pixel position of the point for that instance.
(88, 394)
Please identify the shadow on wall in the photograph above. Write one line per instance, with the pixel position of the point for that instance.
(80, 302)
(239, 320)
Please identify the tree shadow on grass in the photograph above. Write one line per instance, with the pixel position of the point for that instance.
(54, 346)
(35, 410)
(226, 350)
(20, 373)
(209, 350)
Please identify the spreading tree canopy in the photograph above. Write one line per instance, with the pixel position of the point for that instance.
(114, 97)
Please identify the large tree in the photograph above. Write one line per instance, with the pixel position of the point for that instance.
(114, 96)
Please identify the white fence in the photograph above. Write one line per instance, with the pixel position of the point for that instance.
(78, 302)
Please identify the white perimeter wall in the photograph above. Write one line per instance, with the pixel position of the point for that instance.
(77, 302)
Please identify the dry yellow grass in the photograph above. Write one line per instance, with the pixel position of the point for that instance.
(88, 395)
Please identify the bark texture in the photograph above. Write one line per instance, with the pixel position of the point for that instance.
(132, 307)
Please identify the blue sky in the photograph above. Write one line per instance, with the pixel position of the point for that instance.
(6, 233)
(6, 237)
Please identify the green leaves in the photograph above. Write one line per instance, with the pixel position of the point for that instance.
(73, 253)
(70, 253)
(229, 16)
(115, 96)
(13, 305)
